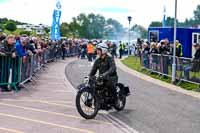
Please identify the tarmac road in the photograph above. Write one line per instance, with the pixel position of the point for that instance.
(151, 108)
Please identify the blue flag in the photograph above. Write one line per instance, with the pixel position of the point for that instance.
(55, 29)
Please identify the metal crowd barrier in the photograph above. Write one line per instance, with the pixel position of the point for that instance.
(55, 53)
(33, 64)
(10, 72)
(37, 63)
(71, 51)
(187, 69)
(26, 69)
(51, 54)
(16, 72)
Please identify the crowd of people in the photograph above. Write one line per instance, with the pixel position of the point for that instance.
(87, 49)
(164, 47)
(15, 48)
(24, 46)
(153, 53)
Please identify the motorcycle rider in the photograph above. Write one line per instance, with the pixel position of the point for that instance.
(105, 64)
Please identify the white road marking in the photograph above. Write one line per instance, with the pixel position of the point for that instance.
(49, 112)
(46, 123)
(62, 91)
(10, 130)
(40, 101)
(123, 126)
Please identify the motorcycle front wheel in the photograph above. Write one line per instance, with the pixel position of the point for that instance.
(87, 104)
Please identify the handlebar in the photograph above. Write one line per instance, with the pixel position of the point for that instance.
(94, 80)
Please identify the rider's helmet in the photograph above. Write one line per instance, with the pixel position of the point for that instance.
(103, 47)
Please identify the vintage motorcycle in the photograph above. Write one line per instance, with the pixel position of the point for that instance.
(92, 96)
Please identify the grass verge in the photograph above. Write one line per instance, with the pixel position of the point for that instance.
(134, 63)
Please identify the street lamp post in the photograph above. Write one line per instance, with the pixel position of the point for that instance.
(129, 20)
(174, 53)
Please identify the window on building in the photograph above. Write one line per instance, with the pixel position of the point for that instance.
(154, 36)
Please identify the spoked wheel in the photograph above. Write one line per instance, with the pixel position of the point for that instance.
(86, 104)
(120, 101)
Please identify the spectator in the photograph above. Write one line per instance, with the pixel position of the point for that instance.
(79, 49)
(35, 42)
(40, 47)
(121, 49)
(18, 42)
(196, 62)
(56, 49)
(63, 47)
(20, 48)
(30, 50)
(114, 50)
(31, 45)
(8, 48)
(110, 48)
(68, 49)
(133, 49)
(154, 55)
(90, 51)
(167, 43)
(154, 49)
(171, 48)
(145, 55)
(164, 50)
(179, 49)
(95, 51)
(179, 53)
(2, 40)
(84, 50)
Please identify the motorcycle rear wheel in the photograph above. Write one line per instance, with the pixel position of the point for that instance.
(120, 102)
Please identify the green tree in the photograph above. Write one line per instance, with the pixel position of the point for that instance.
(170, 22)
(96, 26)
(3, 20)
(10, 26)
(74, 28)
(197, 14)
(143, 32)
(90, 26)
(140, 30)
(83, 21)
(155, 24)
(47, 30)
(64, 29)
(1, 27)
(28, 33)
(192, 22)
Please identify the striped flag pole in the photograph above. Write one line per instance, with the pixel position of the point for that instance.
(164, 17)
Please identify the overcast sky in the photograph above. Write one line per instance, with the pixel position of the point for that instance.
(142, 11)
